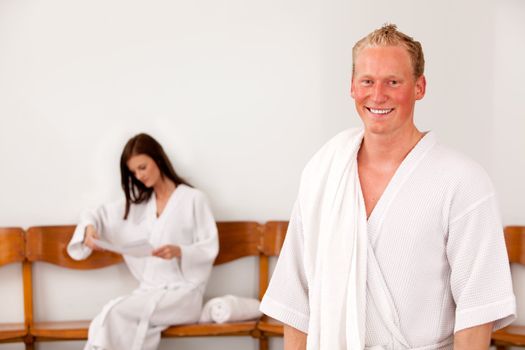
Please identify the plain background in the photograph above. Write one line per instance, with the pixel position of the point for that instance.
(240, 93)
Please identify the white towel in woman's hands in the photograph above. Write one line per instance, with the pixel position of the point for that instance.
(230, 308)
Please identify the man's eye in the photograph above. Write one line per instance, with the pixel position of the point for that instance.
(366, 82)
(394, 82)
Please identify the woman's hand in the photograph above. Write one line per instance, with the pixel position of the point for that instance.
(168, 251)
(89, 236)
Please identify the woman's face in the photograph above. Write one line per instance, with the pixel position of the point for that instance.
(144, 168)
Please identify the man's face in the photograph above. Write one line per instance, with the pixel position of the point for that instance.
(385, 90)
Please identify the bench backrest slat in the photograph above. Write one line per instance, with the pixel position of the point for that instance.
(11, 245)
(237, 239)
(274, 234)
(272, 240)
(49, 243)
(515, 241)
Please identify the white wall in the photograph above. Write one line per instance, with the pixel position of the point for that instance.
(240, 93)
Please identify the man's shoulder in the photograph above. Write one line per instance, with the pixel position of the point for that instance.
(456, 162)
(343, 142)
(461, 170)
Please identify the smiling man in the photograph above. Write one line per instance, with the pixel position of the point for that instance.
(395, 241)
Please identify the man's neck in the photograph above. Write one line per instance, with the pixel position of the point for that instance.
(388, 149)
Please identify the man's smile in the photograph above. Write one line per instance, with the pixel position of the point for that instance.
(380, 111)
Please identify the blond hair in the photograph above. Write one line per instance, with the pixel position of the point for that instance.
(388, 35)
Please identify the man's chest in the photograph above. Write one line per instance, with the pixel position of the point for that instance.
(373, 183)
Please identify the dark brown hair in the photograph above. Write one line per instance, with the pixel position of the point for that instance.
(134, 190)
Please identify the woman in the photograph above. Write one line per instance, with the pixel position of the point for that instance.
(175, 219)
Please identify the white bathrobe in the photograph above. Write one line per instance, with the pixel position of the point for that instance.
(435, 255)
(170, 291)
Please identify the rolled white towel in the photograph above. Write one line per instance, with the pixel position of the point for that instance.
(230, 308)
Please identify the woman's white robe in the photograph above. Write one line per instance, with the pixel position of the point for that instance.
(170, 291)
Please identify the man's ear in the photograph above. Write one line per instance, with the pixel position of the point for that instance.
(352, 88)
(421, 87)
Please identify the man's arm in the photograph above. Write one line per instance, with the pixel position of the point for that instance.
(474, 338)
(294, 339)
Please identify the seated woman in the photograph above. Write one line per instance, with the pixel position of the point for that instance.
(173, 217)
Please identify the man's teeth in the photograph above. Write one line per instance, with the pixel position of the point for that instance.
(380, 111)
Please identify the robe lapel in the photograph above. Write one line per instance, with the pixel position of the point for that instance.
(396, 183)
(158, 223)
(377, 288)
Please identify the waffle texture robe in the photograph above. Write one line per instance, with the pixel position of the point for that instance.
(170, 291)
(435, 259)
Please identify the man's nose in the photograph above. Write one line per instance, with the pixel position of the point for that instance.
(379, 93)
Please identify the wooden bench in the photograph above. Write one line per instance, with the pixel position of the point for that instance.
(272, 242)
(512, 335)
(236, 239)
(48, 244)
(12, 251)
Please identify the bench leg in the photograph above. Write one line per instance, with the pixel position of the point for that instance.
(29, 342)
(263, 343)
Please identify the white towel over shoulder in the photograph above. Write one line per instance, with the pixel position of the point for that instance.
(335, 249)
(230, 308)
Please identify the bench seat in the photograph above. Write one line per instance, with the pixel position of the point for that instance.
(509, 336)
(78, 330)
(60, 330)
(12, 331)
(211, 329)
(271, 327)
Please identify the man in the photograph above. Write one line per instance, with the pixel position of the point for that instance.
(395, 241)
